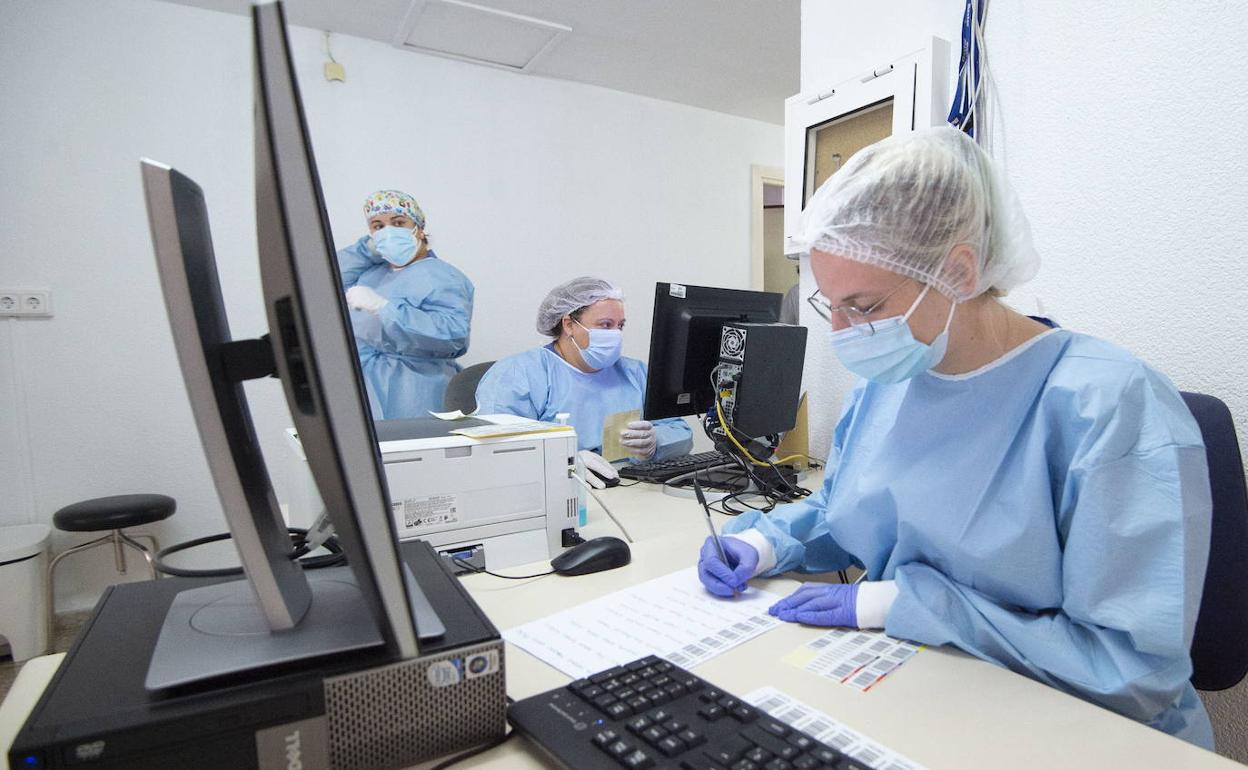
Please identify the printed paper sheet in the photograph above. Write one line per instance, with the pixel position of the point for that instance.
(860, 659)
(832, 732)
(671, 616)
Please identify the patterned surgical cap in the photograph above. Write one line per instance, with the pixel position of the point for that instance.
(394, 202)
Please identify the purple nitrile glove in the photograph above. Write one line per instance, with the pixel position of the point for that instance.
(820, 604)
(726, 579)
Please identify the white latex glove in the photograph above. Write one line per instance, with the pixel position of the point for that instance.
(640, 439)
(364, 298)
(597, 464)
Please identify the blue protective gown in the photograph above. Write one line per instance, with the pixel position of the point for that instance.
(1049, 512)
(408, 349)
(539, 384)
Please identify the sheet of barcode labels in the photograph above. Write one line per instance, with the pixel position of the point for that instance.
(860, 659)
(829, 730)
(672, 616)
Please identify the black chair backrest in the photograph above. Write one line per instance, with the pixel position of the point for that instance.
(1220, 646)
(461, 391)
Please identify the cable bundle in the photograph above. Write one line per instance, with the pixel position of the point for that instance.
(299, 544)
(758, 476)
(976, 93)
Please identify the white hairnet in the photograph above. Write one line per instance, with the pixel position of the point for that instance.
(904, 202)
(570, 297)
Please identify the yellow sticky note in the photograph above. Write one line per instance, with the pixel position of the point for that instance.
(801, 656)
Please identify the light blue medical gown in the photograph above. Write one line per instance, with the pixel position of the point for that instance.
(1049, 512)
(539, 384)
(408, 349)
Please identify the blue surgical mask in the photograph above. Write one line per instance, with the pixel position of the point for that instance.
(603, 349)
(397, 245)
(891, 354)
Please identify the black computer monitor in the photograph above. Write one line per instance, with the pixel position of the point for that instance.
(684, 343)
(284, 616)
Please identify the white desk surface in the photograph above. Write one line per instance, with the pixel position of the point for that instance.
(943, 709)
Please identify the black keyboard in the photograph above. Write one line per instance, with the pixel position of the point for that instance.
(653, 714)
(658, 471)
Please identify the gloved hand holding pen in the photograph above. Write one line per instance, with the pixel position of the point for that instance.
(727, 579)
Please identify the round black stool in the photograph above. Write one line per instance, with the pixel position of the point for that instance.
(112, 514)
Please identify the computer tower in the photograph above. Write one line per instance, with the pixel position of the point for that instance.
(363, 711)
(759, 376)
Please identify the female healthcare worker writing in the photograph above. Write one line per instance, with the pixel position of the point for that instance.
(1032, 495)
(582, 373)
(410, 310)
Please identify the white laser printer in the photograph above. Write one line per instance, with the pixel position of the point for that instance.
(492, 502)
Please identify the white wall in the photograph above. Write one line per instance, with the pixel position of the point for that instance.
(525, 181)
(841, 40)
(1128, 160)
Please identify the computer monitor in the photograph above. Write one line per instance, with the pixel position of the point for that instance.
(277, 615)
(684, 343)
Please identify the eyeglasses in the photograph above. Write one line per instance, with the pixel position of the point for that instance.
(858, 319)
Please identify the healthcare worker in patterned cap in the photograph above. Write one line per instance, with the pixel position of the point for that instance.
(1032, 495)
(410, 310)
(581, 372)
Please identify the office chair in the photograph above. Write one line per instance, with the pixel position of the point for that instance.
(461, 391)
(1219, 655)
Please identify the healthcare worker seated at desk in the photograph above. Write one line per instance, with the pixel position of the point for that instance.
(410, 310)
(1034, 496)
(582, 373)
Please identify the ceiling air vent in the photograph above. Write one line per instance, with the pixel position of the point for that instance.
(475, 33)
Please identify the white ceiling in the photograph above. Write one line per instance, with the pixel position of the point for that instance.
(736, 56)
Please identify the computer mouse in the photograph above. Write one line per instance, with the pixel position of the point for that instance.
(608, 482)
(594, 555)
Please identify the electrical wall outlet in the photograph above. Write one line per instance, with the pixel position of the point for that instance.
(36, 302)
(28, 303)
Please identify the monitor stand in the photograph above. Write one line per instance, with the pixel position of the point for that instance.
(219, 630)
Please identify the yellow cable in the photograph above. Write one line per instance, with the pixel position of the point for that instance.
(720, 411)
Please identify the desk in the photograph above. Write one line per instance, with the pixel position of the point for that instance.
(943, 709)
